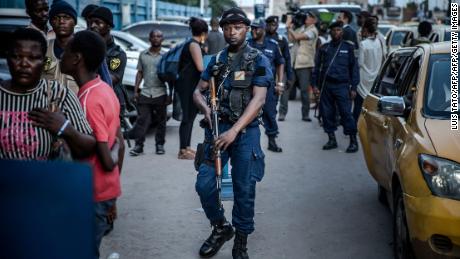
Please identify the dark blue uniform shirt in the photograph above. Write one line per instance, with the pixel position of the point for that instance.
(263, 77)
(271, 50)
(343, 69)
(284, 47)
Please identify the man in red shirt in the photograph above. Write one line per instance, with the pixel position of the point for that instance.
(81, 59)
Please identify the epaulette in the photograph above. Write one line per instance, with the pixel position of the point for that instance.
(273, 41)
(350, 42)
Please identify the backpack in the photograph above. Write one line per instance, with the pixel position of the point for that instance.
(168, 67)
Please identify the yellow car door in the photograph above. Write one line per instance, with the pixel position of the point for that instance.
(400, 128)
(377, 137)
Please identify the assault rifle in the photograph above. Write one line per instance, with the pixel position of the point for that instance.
(215, 134)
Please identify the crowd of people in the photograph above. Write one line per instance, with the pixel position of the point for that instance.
(66, 95)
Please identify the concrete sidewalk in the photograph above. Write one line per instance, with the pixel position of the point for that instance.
(310, 204)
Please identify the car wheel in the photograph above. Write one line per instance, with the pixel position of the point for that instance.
(382, 195)
(401, 240)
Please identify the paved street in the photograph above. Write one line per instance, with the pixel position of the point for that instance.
(310, 204)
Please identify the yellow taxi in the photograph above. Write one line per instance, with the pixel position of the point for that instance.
(411, 151)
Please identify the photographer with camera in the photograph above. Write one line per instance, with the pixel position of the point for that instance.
(303, 33)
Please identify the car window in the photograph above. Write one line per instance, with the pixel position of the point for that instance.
(438, 89)
(388, 83)
(398, 37)
(136, 42)
(141, 31)
(407, 39)
(409, 74)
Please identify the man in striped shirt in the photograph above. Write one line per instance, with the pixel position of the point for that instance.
(81, 59)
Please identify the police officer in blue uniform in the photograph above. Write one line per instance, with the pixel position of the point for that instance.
(245, 75)
(336, 76)
(272, 27)
(269, 47)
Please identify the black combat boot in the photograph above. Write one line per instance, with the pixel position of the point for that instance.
(137, 150)
(221, 233)
(239, 250)
(353, 147)
(272, 146)
(332, 143)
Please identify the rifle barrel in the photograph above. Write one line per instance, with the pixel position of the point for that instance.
(215, 133)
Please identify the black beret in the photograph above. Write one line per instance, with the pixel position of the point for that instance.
(88, 10)
(234, 15)
(59, 7)
(272, 18)
(104, 14)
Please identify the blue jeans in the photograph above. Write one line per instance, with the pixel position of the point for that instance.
(247, 161)
(332, 95)
(101, 209)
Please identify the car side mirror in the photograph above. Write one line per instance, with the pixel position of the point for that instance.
(392, 105)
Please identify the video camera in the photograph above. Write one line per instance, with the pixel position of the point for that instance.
(298, 16)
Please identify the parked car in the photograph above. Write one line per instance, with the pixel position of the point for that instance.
(398, 36)
(173, 32)
(412, 153)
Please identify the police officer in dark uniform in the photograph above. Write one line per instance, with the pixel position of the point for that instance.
(101, 21)
(336, 74)
(245, 75)
(269, 47)
(272, 27)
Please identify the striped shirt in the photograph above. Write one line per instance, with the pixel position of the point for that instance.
(18, 138)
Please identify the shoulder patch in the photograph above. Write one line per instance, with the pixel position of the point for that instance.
(114, 63)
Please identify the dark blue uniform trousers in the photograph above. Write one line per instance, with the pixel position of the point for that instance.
(247, 161)
(332, 96)
(269, 113)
